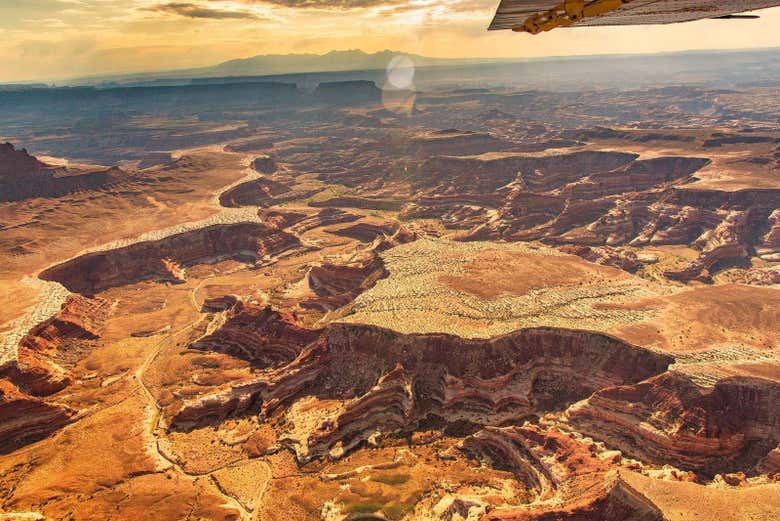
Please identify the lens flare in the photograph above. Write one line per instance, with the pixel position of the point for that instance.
(400, 73)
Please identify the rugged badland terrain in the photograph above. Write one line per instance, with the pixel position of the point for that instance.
(354, 304)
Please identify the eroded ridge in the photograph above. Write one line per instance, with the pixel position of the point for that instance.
(24, 418)
(670, 420)
(166, 259)
(568, 480)
(388, 381)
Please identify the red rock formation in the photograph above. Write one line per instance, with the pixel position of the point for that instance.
(669, 419)
(606, 255)
(258, 192)
(366, 232)
(264, 164)
(221, 303)
(726, 242)
(365, 203)
(456, 142)
(535, 173)
(485, 382)
(337, 285)
(34, 370)
(160, 259)
(389, 406)
(36, 374)
(569, 481)
(638, 176)
(769, 245)
(599, 199)
(22, 176)
(264, 336)
(325, 217)
(24, 419)
(80, 318)
(280, 218)
(263, 394)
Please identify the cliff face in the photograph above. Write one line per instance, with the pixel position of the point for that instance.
(24, 419)
(266, 337)
(669, 419)
(389, 382)
(567, 479)
(79, 318)
(597, 199)
(35, 370)
(338, 284)
(22, 176)
(534, 173)
(165, 259)
(258, 192)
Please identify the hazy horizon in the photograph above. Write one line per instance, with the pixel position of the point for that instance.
(63, 39)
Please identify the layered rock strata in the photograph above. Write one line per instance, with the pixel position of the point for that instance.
(166, 259)
(568, 480)
(390, 381)
(669, 419)
(337, 284)
(24, 419)
(22, 176)
(266, 337)
(37, 369)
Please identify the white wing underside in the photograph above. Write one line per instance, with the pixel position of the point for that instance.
(512, 13)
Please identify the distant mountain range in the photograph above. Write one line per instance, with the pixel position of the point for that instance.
(726, 66)
(353, 60)
(276, 64)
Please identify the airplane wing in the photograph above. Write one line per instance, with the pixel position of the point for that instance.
(535, 16)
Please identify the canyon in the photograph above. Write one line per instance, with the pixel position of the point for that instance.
(341, 304)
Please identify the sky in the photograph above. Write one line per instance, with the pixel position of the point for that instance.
(47, 40)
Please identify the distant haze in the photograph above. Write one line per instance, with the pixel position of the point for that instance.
(48, 40)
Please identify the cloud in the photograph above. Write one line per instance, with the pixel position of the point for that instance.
(200, 11)
(327, 4)
(385, 6)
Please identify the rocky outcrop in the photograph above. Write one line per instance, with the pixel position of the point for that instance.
(533, 172)
(221, 303)
(258, 192)
(38, 368)
(338, 284)
(389, 381)
(25, 419)
(261, 335)
(606, 255)
(598, 199)
(80, 318)
(166, 259)
(22, 176)
(456, 142)
(638, 176)
(568, 480)
(671, 420)
(35, 373)
(264, 164)
(627, 135)
(365, 203)
(366, 232)
(727, 241)
(768, 247)
(263, 394)
(325, 217)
